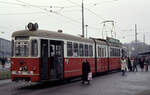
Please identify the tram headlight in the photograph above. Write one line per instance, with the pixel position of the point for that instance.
(13, 72)
(20, 69)
(31, 72)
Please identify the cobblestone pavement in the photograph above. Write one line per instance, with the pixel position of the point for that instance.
(133, 83)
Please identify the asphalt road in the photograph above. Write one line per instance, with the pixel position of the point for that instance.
(133, 83)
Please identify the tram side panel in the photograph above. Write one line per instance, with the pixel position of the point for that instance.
(73, 62)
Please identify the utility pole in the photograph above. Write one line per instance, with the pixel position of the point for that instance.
(135, 33)
(82, 19)
(144, 42)
(86, 30)
(135, 38)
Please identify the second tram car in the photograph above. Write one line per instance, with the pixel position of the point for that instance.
(39, 55)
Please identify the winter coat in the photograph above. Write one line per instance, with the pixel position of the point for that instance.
(85, 70)
(123, 64)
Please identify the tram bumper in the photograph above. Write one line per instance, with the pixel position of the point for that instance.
(27, 78)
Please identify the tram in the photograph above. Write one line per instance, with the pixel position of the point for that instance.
(39, 55)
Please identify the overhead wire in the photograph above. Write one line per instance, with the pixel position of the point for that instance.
(22, 13)
(39, 7)
(73, 20)
(97, 15)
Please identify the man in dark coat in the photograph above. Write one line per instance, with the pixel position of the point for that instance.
(85, 71)
(141, 62)
(3, 62)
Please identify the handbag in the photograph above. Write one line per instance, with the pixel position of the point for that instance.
(90, 76)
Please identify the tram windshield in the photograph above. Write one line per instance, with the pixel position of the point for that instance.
(22, 48)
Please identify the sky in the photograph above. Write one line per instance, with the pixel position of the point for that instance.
(66, 15)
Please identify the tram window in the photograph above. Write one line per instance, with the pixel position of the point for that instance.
(90, 50)
(102, 52)
(58, 51)
(75, 50)
(22, 48)
(111, 52)
(99, 51)
(69, 49)
(86, 50)
(34, 48)
(81, 50)
(114, 51)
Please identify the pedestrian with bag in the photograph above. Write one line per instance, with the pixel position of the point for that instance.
(86, 71)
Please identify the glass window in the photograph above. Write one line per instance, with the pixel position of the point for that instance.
(81, 52)
(34, 48)
(86, 50)
(99, 51)
(90, 50)
(75, 50)
(22, 48)
(111, 52)
(69, 49)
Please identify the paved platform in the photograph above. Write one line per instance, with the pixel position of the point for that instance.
(133, 83)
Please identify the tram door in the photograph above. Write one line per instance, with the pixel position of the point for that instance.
(56, 59)
(44, 60)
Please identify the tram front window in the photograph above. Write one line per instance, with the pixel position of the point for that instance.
(22, 48)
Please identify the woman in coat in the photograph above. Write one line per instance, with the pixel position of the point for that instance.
(85, 71)
(123, 66)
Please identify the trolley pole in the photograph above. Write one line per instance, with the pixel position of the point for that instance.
(82, 19)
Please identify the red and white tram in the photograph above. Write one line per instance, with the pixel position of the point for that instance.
(39, 55)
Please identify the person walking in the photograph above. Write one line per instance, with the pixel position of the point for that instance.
(85, 71)
(3, 62)
(141, 62)
(146, 64)
(123, 66)
(135, 63)
(129, 64)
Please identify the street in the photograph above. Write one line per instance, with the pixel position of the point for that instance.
(134, 83)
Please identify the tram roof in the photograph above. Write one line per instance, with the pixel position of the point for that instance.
(50, 34)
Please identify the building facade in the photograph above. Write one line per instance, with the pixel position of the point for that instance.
(5, 48)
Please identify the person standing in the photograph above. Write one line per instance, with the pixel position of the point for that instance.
(146, 64)
(3, 62)
(123, 66)
(141, 62)
(135, 63)
(129, 64)
(85, 71)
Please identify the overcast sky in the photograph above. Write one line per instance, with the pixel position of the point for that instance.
(66, 15)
